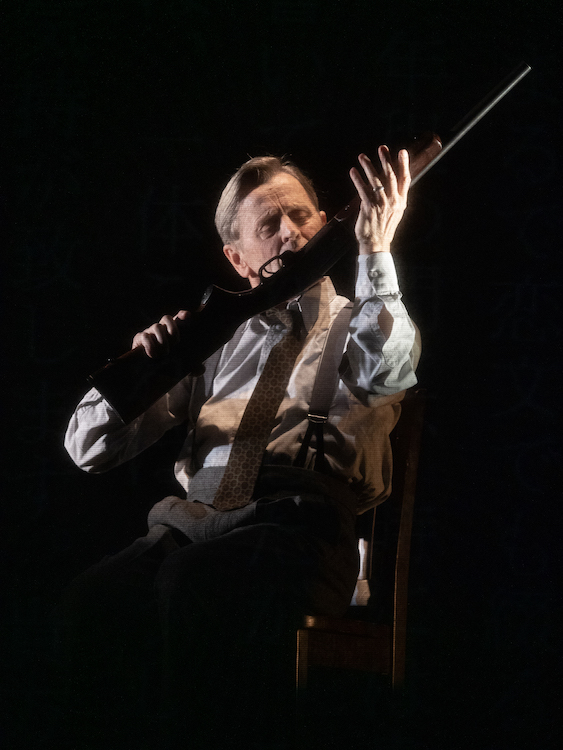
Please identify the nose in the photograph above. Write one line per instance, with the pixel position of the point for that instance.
(289, 231)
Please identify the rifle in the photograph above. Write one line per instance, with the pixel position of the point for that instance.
(134, 381)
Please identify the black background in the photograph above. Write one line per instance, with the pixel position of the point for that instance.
(124, 121)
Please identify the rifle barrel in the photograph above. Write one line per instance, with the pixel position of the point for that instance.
(479, 111)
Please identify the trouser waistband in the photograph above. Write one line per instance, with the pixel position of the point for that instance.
(274, 481)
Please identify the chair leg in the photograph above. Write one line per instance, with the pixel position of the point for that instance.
(301, 668)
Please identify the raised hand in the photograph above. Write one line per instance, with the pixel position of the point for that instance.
(383, 196)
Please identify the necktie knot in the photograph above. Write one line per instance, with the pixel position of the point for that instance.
(289, 319)
(286, 318)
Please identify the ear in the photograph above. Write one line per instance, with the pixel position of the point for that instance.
(237, 261)
(322, 214)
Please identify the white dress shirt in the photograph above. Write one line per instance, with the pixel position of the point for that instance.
(377, 367)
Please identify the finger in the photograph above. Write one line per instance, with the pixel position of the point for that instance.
(364, 191)
(136, 343)
(147, 341)
(155, 340)
(370, 170)
(388, 171)
(182, 315)
(171, 327)
(403, 172)
(160, 333)
(168, 322)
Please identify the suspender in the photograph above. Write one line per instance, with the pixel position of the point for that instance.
(324, 388)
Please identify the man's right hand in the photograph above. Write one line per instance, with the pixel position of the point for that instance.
(157, 339)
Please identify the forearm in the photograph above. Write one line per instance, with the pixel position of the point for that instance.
(384, 345)
(97, 440)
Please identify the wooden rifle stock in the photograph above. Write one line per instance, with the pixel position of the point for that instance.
(133, 382)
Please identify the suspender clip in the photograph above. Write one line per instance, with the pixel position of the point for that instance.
(317, 418)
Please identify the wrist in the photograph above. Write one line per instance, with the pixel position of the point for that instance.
(368, 248)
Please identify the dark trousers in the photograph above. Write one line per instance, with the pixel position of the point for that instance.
(175, 644)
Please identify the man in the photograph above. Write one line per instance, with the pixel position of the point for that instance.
(233, 568)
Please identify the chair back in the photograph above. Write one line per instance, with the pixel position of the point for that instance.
(373, 637)
(389, 539)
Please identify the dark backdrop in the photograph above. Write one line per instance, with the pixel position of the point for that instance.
(124, 121)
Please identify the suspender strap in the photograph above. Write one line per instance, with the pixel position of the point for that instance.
(324, 388)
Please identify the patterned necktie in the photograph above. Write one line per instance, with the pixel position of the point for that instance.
(251, 439)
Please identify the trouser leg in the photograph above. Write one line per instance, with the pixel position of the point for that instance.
(228, 612)
(229, 609)
(109, 650)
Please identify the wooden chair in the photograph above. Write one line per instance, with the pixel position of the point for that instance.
(373, 638)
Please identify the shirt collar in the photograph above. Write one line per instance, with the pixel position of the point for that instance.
(312, 300)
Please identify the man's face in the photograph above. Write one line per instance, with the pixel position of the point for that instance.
(273, 218)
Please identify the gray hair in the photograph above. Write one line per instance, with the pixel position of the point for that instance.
(253, 173)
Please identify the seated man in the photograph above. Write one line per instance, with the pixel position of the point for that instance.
(209, 601)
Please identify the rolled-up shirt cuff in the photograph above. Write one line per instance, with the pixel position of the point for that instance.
(376, 274)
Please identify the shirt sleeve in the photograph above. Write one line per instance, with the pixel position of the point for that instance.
(97, 439)
(384, 344)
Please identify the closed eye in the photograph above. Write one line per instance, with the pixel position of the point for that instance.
(271, 224)
(300, 216)
(269, 227)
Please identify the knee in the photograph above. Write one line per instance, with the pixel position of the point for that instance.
(179, 572)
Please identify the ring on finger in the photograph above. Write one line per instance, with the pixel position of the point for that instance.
(377, 188)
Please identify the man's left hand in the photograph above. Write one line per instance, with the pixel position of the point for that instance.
(383, 200)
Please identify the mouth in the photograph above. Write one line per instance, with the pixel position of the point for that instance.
(292, 246)
(276, 263)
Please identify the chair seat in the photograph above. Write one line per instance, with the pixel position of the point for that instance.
(343, 625)
(342, 644)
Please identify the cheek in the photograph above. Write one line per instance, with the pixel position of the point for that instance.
(310, 232)
(265, 251)
(257, 256)
(315, 226)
